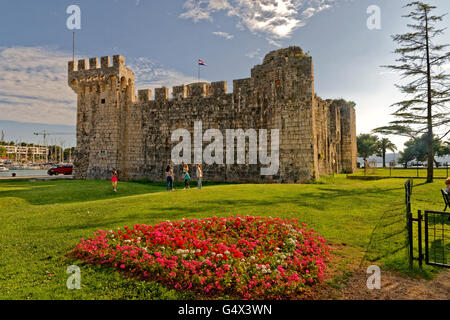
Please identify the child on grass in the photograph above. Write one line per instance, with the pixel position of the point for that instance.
(114, 179)
(187, 177)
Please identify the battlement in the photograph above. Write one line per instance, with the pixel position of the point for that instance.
(85, 71)
(144, 95)
(288, 58)
(162, 94)
(282, 54)
(242, 85)
(193, 90)
(82, 64)
(296, 64)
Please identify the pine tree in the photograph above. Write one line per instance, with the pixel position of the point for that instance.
(426, 110)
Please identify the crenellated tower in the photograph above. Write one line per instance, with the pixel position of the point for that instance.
(284, 89)
(105, 92)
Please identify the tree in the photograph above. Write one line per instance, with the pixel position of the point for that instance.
(367, 145)
(69, 153)
(442, 149)
(446, 148)
(383, 145)
(409, 154)
(2, 152)
(425, 109)
(417, 149)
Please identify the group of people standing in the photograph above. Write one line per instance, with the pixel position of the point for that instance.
(186, 176)
(170, 177)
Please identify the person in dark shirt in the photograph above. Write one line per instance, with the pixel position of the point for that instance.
(169, 178)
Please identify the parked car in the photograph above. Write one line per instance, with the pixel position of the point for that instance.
(62, 169)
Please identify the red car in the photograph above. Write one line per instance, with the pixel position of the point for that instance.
(63, 169)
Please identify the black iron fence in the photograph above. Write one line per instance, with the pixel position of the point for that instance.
(409, 240)
(437, 236)
(436, 225)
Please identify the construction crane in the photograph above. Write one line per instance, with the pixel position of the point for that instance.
(44, 134)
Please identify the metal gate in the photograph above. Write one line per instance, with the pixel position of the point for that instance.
(437, 234)
(437, 238)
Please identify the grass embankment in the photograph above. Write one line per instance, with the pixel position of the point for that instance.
(41, 221)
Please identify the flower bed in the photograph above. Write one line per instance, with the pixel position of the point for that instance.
(243, 257)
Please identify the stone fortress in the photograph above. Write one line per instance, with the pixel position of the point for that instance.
(116, 129)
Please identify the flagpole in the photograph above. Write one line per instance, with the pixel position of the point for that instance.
(198, 72)
(73, 46)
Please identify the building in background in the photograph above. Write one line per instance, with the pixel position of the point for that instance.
(34, 154)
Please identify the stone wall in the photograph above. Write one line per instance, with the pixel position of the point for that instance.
(116, 129)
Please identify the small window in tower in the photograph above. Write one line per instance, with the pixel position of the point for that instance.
(103, 101)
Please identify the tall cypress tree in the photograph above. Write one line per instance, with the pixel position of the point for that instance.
(426, 109)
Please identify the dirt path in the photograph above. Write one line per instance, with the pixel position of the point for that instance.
(393, 287)
(396, 287)
(343, 285)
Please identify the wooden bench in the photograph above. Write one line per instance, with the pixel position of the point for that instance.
(446, 197)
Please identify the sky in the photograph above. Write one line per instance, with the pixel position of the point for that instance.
(162, 40)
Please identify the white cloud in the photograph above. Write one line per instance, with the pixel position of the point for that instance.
(202, 9)
(254, 54)
(151, 75)
(33, 84)
(274, 43)
(225, 35)
(275, 18)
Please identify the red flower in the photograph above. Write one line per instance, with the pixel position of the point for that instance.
(281, 258)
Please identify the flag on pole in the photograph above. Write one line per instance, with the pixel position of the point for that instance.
(200, 63)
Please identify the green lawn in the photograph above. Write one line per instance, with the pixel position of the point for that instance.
(41, 221)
